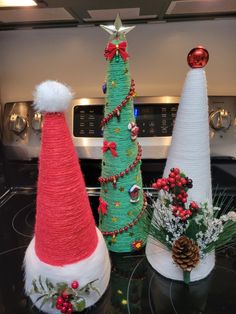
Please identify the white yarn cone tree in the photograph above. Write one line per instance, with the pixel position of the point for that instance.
(190, 152)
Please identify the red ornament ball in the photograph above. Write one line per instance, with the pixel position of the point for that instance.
(198, 57)
(75, 284)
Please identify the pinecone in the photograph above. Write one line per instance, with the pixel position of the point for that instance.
(185, 253)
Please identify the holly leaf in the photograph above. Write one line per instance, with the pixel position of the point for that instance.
(35, 288)
(80, 305)
(39, 298)
(49, 284)
(94, 289)
(61, 286)
(69, 290)
(193, 229)
(54, 300)
(41, 284)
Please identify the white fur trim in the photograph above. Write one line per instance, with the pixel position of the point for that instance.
(52, 96)
(97, 266)
(161, 260)
(190, 149)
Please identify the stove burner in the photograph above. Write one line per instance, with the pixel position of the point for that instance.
(27, 213)
(12, 250)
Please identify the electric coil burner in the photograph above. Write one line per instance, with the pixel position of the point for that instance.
(135, 288)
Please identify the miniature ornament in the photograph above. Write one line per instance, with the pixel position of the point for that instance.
(198, 57)
(104, 88)
(67, 254)
(117, 30)
(120, 172)
(134, 129)
(102, 208)
(137, 245)
(134, 193)
(113, 50)
(110, 146)
(185, 253)
(190, 156)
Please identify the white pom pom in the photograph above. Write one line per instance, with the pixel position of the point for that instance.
(52, 96)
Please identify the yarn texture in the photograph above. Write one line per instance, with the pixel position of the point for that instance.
(60, 238)
(67, 247)
(190, 148)
(190, 152)
(120, 210)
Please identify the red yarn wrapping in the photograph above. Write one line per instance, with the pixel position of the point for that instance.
(65, 230)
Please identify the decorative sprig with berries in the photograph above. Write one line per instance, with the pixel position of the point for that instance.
(65, 297)
(177, 184)
(188, 229)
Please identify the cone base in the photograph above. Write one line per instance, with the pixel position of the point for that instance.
(95, 267)
(161, 260)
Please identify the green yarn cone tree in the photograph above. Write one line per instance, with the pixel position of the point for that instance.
(122, 202)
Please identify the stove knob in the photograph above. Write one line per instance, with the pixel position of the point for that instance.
(220, 119)
(37, 121)
(17, 123)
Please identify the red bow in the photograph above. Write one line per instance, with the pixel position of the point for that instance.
(112, 50)
(102, 208)
(111, 146)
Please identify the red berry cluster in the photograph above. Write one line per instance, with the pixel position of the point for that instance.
(116, 112)
(178, 184)
(63, 301)
(63, 304)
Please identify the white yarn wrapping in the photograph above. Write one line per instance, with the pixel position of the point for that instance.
(190, 152)
(190, 149)
(97, 266)
(161, 260)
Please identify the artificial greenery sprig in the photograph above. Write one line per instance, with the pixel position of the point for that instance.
(171, 215)
(62, 296)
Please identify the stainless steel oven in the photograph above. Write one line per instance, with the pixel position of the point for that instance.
(155, 117)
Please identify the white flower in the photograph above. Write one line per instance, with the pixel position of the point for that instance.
(224, 218)
(216, 208)
(231, 216)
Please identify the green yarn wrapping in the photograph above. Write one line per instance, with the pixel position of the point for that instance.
(120, 211)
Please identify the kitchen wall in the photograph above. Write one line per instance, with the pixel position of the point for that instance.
(75, 56)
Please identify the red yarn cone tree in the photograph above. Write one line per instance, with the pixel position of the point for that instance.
(68, 254)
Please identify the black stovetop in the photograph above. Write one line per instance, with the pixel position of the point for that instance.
(135, 288)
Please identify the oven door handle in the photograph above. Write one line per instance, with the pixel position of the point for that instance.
(95, 191)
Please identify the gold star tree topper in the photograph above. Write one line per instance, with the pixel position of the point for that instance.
(117, 30)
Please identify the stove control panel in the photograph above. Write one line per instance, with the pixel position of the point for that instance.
(152, 120)
(17, 123)
(155, 117)
(21, 131)
(37, 122)
(220, 119)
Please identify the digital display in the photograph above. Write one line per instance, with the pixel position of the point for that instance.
(152, 119)
(87, 119)
(135, 112)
